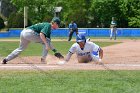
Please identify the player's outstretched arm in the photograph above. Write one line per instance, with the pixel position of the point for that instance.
(101, 53)
(58, 55)
(65, 60)
(100, 56)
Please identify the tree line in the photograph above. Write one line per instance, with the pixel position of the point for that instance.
(86, 13)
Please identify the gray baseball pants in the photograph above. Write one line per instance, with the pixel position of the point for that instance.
(27, 36)
(113, 32)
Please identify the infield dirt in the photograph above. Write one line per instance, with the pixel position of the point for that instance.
(123, 56)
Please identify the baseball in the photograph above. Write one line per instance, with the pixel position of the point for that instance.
(61, 62)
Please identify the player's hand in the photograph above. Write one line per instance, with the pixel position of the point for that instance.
(100, 62)
(59, 55)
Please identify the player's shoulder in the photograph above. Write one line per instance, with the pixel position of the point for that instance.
(89, 43)
(75, 45)
(43, 24)
(75, 24)
(46, 23)
(70, 24)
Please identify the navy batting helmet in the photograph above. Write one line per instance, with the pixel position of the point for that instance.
(80, 38)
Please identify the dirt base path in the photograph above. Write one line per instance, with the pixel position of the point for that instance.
(124, 53)
(123, 56)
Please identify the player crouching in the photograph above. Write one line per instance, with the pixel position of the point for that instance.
(85, 50)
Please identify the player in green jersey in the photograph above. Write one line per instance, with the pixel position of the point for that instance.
(39, 33)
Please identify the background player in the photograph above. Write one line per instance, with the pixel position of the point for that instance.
(113, 27)
(39, 33)
(86, 51)
(72, 28)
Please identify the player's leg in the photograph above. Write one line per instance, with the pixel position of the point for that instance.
(115, 33)
(111, 32)
(70, 35)
(23, 44)
(17, 51)
(44, 54)
(76, 31)
(45, 51)
(36, 38)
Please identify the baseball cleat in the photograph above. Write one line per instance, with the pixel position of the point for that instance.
(43, 61)
(4, 61)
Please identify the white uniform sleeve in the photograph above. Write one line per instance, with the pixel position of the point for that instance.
(72, 50)
(96, 47)
(68, 56)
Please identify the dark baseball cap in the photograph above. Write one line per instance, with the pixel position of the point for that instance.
(57, 20)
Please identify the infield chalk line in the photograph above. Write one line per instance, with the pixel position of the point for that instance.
(13, 66)
(128, 65)
(56, 66)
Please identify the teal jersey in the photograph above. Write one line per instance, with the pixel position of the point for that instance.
(44, 28)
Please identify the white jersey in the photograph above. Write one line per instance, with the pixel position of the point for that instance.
(85, 54)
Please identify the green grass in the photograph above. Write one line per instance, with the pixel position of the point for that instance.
(60, 81)
(35, 49)
(69, 82)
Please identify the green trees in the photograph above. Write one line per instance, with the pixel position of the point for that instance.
(17, 20)
(1, 23)
(86, 13)
(38, 10)
(130, 13)
(134, 15)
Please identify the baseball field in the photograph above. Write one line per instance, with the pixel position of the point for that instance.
(25, 74)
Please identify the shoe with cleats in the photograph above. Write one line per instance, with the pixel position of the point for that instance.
(4, 61)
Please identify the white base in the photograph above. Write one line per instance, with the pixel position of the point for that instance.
(61, 62)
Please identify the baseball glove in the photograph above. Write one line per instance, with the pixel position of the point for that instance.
(59, 55)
